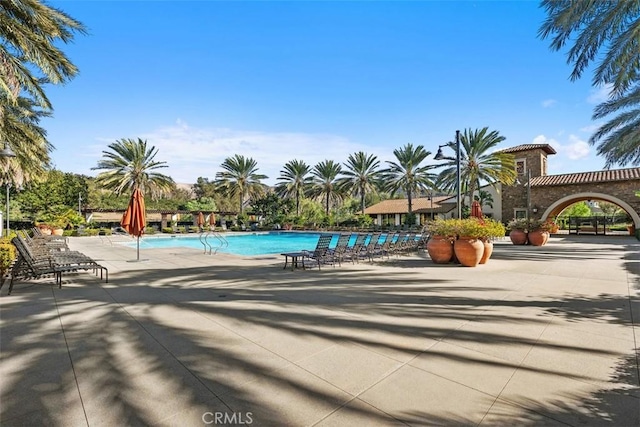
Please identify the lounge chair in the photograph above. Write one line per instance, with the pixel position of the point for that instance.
(341, 248)
(354, 252)
(37, 260)
(372, 247)
(321, 254)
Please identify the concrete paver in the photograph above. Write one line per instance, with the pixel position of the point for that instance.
(538, 336)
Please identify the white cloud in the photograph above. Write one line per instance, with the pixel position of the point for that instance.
(198, 152)
(541, 139)
(590, 128)
(549, 103)
(577, 148)
(601, 94)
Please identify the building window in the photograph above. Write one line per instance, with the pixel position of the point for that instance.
(544, 166)
(521, 166)
(519, 213)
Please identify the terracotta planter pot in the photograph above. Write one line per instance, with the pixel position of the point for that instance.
(57, 231)
(488, 250)
(440, 249)
(468, 250)
(518, 237)
(538, 237)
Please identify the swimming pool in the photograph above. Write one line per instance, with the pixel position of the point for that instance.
(240, 244)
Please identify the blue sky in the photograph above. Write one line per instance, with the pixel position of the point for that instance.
(278, 81)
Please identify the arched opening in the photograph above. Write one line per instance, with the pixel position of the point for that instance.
(557, 207)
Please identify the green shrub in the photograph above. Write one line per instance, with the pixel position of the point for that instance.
(7, 256)
(167, 230)
(518, 224)
(493, 229)
(470, 227)
(441, 227)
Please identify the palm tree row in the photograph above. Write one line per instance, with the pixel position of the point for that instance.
(330, 182)
(130, 164)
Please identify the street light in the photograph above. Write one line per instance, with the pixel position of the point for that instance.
(7, 153)
(440, 156)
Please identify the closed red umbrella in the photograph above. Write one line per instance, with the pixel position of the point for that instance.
(212, 220)
(476, 210)
(200, 220)
(134, 218)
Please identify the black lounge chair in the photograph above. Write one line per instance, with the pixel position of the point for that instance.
(321, 254)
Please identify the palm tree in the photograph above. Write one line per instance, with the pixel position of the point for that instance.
(608, 31)
(30, 32)
(296, 181)
(20, 123)
(478, 163)
(324, 183)
(361, 176)
(598, 29)
(407, 175)
(618, 138)
(29, 58)
(130, 165)
(240, 178)
(484, 198)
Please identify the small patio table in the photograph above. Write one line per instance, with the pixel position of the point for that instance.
(295, 256)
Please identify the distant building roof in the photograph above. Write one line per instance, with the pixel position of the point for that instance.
(420, 204)
(587, 177)
(526, 147)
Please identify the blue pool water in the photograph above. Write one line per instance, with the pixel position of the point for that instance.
(241, 244)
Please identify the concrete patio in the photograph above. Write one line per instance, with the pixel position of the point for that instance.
(538, 336)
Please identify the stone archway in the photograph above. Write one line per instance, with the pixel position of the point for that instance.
(562, 203)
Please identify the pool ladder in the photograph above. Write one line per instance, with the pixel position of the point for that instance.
(208, 247)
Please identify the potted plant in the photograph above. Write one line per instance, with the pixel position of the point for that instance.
(468, 247)
(492, 230)
(518, 231)
(442, 233)
(45, 229)
(539, 231)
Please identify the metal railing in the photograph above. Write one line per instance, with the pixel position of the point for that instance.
(219, 242)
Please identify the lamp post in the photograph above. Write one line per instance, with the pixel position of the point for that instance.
(7, 153)
(440, 156)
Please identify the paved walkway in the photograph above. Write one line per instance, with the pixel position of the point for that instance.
(538, 336)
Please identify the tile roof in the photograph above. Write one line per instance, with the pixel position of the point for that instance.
(526, 147)
(587, 177)
(419, 204)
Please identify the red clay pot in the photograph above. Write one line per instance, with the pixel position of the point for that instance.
(440, 249)
(518, 237)
(488, 250)
(468, 250)
(538, 237)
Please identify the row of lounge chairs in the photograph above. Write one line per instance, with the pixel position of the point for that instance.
(42, 256)
(362, 246)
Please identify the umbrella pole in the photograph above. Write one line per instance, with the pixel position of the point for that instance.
(138, 249)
